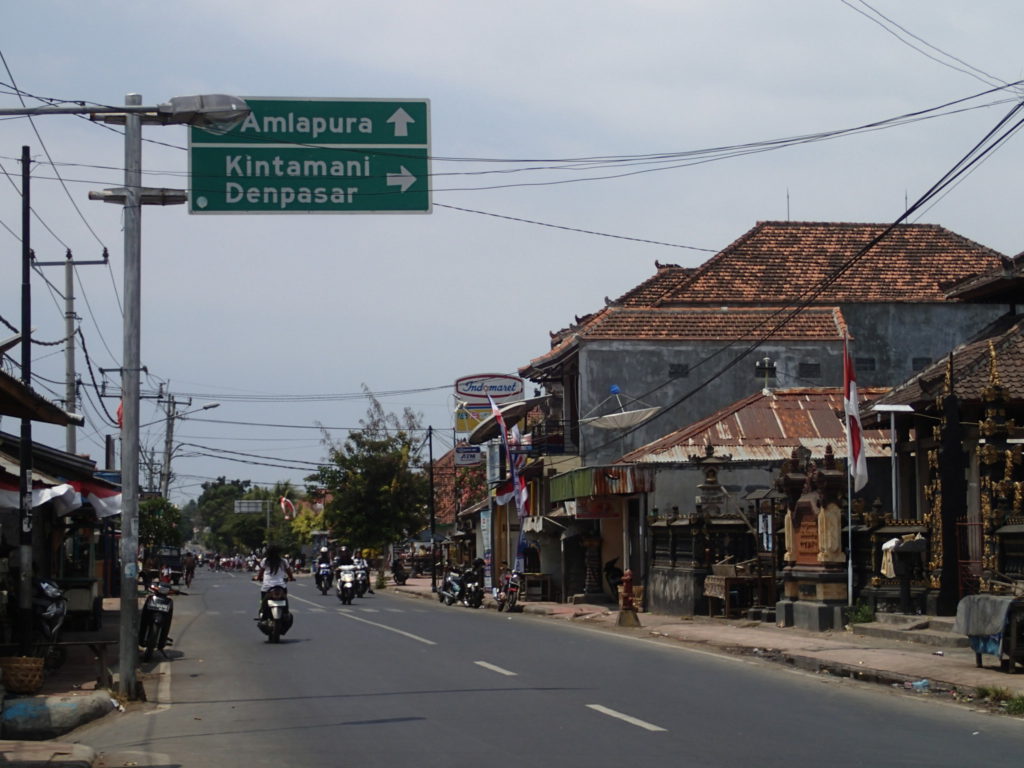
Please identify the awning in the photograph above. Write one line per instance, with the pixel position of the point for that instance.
(511, 413)
(21, 402)
(541, 524)
(104, 497)
(475, 509)
(611, 480)
(65, 499)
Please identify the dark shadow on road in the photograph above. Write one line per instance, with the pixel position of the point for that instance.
(372, 695)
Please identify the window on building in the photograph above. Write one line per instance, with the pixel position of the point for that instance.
(808, 371)
(678, 370)
(863, 364)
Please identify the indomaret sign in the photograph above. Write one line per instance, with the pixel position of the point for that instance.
(315, 156)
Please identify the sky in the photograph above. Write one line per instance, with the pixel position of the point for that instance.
(568, 145)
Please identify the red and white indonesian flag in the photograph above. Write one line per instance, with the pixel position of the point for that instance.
(854, 434)
(515, 487)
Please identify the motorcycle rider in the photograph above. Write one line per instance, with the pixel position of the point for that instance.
(324, 558)
(274, 571)
(360, 562)
(344, 557)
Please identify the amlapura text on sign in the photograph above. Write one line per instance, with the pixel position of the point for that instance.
(316, 156)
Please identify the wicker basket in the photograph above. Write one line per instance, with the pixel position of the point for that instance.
(22, 674)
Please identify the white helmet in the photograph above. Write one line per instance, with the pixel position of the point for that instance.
(323, 550)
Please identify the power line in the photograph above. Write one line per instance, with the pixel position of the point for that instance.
(882, 20)
(978, 153)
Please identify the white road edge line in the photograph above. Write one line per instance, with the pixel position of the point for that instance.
(162, 695)
(626, 718)
(495, 668)
(410, 635)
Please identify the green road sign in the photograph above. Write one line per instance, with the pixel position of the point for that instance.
(315, 156)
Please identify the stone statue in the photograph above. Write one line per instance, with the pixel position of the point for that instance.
(788, 556)
(830, 534)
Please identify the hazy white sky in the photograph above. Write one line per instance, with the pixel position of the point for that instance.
(258, 311)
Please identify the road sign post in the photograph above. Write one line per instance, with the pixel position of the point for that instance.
(315, 156)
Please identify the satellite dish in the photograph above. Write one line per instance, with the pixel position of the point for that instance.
(623, 418)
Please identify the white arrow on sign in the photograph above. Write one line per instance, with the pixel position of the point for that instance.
(403, 179)
(401, 120)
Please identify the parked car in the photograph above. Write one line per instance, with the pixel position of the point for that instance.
(169, 557)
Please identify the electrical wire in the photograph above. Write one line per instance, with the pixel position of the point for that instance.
(882, 20)
(979, 152)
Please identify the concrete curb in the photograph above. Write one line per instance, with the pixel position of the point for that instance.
(38, 754)
(46, 717)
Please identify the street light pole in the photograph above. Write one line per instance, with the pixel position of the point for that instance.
(172, 414)
(129, 629)
(216, 113)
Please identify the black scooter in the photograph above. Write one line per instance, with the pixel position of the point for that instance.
(155, 620)
(275, 618)
(398, 572)
(472, 592)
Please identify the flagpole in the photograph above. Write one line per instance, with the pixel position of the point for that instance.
(847, 374)
(849, 531)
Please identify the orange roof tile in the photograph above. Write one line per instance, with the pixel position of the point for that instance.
(783, 261)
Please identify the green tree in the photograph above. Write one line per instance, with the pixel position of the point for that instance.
(306, 521)
(159, 523)
(374, 489)
(216, 511)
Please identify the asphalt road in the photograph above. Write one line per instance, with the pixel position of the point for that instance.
(396, 681)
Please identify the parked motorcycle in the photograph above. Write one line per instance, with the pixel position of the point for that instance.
(398, 572)
(472, 592)
(451, 586)
(275, 618)
(155, 620)
(346, 583)
(507, 595)
(49, 610)
(323, 577)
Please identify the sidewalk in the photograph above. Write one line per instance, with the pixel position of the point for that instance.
(70, 698)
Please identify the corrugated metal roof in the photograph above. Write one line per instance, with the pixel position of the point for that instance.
(766, 428)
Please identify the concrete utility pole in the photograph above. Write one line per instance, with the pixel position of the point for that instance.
(216, 113)
(70, 377)
(25, 459)
(165, 469)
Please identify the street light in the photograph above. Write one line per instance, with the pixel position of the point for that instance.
(215, 113)
(172, 414)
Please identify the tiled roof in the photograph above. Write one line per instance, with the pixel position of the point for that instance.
(676, 324)
(667, 279)
(767, 428)
(699, 323)
(782, 261)
(972, 366)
